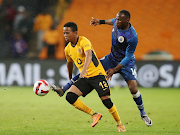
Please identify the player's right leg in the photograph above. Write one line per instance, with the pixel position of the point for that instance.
(72, 98)
(95, 118)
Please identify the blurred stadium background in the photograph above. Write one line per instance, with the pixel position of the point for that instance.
(156, 23)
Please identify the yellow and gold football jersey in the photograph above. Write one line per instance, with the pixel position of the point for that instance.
(76, 54)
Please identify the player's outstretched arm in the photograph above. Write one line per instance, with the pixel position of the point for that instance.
(95, 22)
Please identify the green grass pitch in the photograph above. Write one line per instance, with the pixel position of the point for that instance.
(24, 113)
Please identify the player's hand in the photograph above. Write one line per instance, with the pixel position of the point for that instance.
(110, 73)
(94, 22)
(83, 74)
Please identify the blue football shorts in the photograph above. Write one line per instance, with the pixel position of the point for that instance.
(127, 72)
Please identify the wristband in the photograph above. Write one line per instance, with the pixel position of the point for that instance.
(101, 21)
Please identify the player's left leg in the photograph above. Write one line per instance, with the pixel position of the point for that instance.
(132, 84)
(130, 76)
(112, 109)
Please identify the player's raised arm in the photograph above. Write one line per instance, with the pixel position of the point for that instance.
(95, 22)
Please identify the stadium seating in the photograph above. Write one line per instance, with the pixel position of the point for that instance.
(156, 23)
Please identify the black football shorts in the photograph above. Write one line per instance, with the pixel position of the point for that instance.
(99, 83)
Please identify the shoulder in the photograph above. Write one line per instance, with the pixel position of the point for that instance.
(133, 30)
(133, 34)
(133, 40)
(85, 44)
(83, 40)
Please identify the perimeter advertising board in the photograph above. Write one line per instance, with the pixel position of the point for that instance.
(25, 72)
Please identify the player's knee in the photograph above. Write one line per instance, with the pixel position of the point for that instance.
(108, 103)
(133, 89)
(71, 97)
(132, 85)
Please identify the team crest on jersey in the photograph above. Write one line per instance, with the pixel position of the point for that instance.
(121, 39)
(79, 51)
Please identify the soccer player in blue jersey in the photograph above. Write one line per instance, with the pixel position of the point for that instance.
(121, 59)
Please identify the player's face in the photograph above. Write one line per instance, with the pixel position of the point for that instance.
(69, 35)
(121, 21)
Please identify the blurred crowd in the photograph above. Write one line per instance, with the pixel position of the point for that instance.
(29, 34)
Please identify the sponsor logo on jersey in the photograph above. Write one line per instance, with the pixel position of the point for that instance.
(79, 61)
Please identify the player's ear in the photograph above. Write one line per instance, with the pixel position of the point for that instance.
(75, 32)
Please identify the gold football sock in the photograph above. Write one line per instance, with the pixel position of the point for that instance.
(92, 112)
(115, 114)
(81, 106)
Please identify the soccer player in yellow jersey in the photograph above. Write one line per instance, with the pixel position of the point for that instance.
(92, 75)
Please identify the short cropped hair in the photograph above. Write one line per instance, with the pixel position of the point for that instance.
(72, 25)
(126, 13)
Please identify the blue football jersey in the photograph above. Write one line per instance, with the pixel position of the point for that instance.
(124, 43)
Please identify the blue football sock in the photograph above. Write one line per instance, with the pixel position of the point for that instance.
(138, 99)
(70, 83)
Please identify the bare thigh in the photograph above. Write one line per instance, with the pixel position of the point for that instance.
(105, 97)
(75, 90)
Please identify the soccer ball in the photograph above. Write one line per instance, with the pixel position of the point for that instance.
(41, 87)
